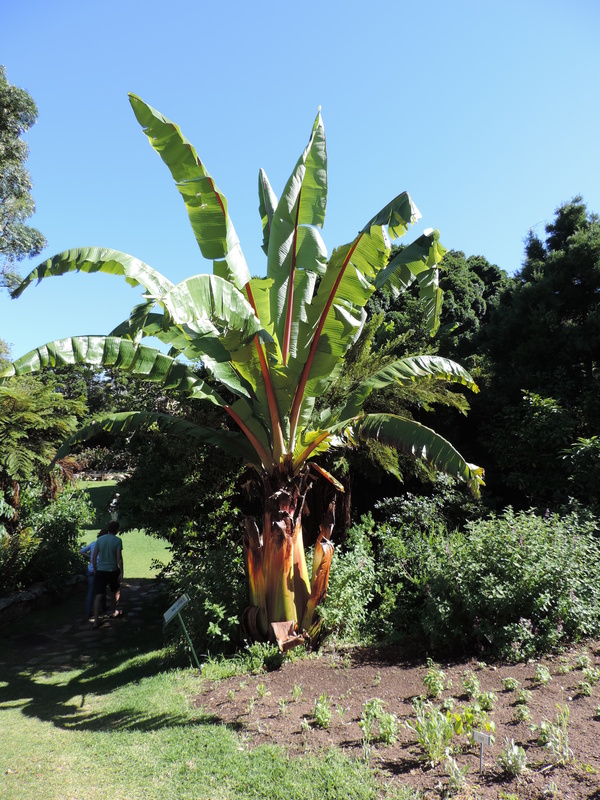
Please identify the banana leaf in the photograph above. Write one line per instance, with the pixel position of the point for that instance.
(419, 441)
(205, 204)
(99, 259)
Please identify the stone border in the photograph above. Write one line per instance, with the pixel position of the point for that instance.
(37, 596)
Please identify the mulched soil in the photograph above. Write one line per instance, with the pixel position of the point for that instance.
(262, 708)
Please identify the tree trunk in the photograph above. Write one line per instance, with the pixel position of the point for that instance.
(283, 597)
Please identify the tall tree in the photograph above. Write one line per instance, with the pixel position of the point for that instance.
(543, 343)
(18, 113)
(275, 345)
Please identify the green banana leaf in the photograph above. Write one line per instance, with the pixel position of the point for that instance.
(109, 351)
(267, 203)
(99, 259)
(206, 205)
(418, 261)
(231, 442)
(292, 245)
(419, 441)
(336, 315)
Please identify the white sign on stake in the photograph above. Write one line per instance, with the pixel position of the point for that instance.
(482, 739)
(176, 608)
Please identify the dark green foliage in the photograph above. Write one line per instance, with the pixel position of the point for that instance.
(34, 420)
(208, 565)
(512, 586)
(542, 348)
(46, 548)
(18, 113)
(351, 586)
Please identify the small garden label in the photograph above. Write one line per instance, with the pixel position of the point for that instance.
(482, 739)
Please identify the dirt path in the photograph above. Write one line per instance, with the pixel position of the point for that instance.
(62, 637)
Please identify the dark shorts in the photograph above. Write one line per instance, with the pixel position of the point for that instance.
(103, 579)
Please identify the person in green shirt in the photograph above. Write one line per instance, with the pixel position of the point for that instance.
(108, 569)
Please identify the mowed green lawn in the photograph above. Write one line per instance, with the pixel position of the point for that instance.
(141, 553)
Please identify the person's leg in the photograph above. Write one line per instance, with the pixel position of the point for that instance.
(97, 602)
(89, 600)
(115, 588)
(99, 592)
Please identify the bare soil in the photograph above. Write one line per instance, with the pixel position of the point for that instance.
(263, 709)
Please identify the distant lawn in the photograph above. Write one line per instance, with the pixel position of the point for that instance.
(139, 549)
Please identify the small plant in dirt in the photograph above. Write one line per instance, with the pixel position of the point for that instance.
(512, 759)
(261, 690)
(585, 688)
(597, 713)
(456, 776)
(296, 692)
(342, 711)
(510, 684)
(486, 700)
(434, 679)
(582, 661)
(377, 723)
(473, 717)
(470, 684)
(523, 697)
(522, 713)
(542, 675)
(283, 704)
(322, 712)
(433, 730)
(448, 703)
(551, 790)
(388, 728)
(591, 675)
(554, 736)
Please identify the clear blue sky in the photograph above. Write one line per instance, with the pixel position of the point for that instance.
(487, 112)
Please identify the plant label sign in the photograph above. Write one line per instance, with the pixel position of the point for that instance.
(176, 608)
(482, 739)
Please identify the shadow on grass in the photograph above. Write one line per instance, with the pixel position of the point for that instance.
(72, 695)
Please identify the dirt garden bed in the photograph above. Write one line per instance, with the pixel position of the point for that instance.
(278, 707)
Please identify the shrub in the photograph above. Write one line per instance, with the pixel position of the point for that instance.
(46, 548)
(350, 590)
(207, 564)
(514, 585)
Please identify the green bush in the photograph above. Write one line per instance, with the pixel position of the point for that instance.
(46, 548)
(513, 585)
(207, 564)
(351, 585)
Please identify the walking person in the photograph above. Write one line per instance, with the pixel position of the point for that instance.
(108, 569)
(89, 600)
(112, 508)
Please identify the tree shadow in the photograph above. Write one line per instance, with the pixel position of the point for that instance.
(59, 693)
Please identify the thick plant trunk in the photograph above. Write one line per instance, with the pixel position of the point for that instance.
(283, 596)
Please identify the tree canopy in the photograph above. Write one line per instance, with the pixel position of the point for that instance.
(18, 112)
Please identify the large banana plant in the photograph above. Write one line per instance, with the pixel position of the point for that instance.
(275, 344)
